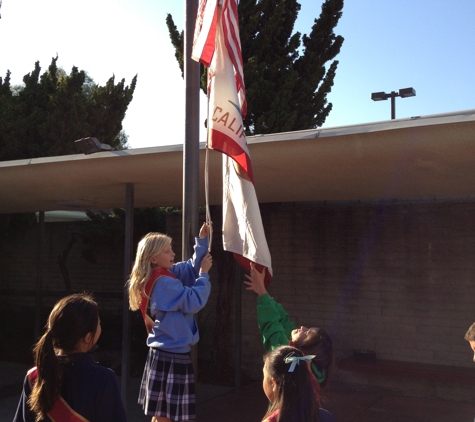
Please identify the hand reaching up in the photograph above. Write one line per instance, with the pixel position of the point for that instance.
(256, 281)
(205, 230)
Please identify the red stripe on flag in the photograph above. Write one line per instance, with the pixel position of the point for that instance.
(232, 42)
(205, 32)
(223, 143)
(208, 50)
(246, 264)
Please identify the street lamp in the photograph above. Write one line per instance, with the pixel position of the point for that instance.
(403, 93)
(91, 145)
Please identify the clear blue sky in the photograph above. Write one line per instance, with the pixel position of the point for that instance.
(425, 44)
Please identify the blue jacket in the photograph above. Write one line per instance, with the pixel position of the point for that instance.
(173, 302)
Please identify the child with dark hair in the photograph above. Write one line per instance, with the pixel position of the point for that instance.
(470, 337)
(291, 389)
(66, 383)
(277, 329)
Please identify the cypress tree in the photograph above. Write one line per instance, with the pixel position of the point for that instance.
(287, 75)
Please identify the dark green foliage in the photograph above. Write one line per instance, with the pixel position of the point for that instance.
(46, 115)
(287, 76)
(11, 224)
(178, 42)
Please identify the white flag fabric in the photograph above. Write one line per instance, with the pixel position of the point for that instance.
(243, 231)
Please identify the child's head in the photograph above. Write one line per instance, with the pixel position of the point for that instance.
(149, 247)
(289, 385)
(72, 325)
(73, 318)
(315, 341)
(470, 337)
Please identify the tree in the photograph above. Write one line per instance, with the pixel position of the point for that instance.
(51, 110)
(287, 76)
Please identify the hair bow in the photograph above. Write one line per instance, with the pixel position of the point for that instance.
(294, 360)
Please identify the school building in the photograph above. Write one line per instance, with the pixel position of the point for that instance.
(370, 228)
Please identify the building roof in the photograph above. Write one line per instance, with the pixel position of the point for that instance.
(420, 157)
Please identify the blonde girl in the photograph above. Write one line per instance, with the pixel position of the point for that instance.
(168, 295)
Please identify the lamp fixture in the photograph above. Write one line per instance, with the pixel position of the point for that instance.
(403, 93)
(91, 145)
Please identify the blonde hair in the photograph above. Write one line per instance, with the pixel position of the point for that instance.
(150, 245)
(470, 334)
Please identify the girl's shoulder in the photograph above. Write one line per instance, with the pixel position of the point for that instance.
(160, 272)
(325, 416)
(272, 417)
(84, 364)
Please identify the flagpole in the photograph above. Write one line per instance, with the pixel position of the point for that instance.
(191, 141)
(191, 146)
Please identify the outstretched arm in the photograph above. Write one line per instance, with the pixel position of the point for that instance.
(188, 271)
(273, 321)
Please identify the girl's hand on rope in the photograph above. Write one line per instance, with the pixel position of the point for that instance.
(256, 281)
(205, 230)
(206, 263)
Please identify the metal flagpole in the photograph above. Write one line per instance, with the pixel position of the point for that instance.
(128, 246)
(191, 147)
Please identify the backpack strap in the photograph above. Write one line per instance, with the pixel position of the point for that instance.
(61, 411)
(154, 276)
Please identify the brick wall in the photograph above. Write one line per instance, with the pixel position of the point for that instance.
(18, 267)
(394, 277)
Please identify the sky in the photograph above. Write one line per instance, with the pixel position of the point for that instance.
(425, 44)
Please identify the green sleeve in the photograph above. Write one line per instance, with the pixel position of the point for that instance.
(274, 323)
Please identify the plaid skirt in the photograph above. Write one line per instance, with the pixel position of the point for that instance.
(168, 386)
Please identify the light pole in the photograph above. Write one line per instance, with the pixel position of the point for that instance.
(403, 93)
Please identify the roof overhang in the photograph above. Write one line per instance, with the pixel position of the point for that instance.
(430, 156)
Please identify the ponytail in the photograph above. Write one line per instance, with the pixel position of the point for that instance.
(48, 383)
(296, 394)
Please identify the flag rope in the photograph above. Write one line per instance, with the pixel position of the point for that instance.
(208, 214)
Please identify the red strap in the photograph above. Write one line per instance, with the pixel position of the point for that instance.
(154, 276)
(61, 411)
